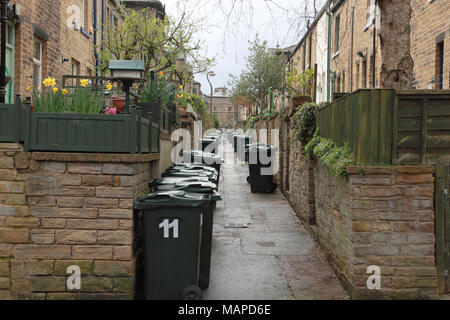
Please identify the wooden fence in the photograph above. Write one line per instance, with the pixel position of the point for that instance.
(384, 127)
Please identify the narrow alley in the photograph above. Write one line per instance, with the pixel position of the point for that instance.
(260, 248)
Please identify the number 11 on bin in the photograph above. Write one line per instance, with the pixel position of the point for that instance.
(166, 226)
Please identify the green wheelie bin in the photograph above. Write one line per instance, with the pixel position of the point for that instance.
(168, 183)
(172, 228)
(208, 221)
(185, 172)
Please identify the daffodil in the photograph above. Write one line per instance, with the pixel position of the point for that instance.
(55, 90)
(181, 87)
(65, 91)
(39, 88)
(161, 73)
(84, 82)
(49, 82)
(28, 88)
(109, 86)
(180, 96)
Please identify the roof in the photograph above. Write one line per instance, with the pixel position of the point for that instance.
(316, 19)
(156, 4)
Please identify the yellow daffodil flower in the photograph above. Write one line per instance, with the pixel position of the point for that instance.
(180, 96)
(55, 90)
(161, 73)
(181, 87)
(84, 82)
(39, 88)
(28, 88)
(65, 91)
(109, 86)
(49, 82)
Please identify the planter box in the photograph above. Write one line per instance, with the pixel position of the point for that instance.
(129, 133)
(11, 124)
(161, 114)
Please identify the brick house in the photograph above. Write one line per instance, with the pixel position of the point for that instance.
(55, 38)
(341, 41)
(223, 107)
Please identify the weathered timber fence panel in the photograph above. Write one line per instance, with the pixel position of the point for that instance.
(386, 127)
(10, 122)
(364, 120)
(423, 132)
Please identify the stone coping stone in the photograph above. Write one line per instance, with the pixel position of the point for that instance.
(94, 157)
(6, 146)
(373, 170)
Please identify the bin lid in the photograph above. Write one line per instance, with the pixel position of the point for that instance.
(173, 180)
(262, 147)
(190, 173)
(173, 198)
(192, 166)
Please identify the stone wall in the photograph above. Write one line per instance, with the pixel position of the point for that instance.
(301, 182)
(380, 216)
(62, 209)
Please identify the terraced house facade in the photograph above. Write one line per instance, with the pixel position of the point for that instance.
(407, 49)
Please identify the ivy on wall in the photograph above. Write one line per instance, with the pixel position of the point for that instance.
(335, 158)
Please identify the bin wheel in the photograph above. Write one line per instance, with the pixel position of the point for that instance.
(248, 179)
(192, 293)
(203, 283)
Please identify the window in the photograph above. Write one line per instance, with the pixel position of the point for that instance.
(338, 83)
(357, 76)
(37, 63)
(75, 71)
(364, 74)
(343, 81)
(84, 13)
(310, 51)
(439, 78)
(304, 56)
(337, 26)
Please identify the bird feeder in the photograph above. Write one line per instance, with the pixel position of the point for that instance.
(127, 72)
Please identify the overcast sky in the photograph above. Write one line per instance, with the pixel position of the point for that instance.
(273, 20)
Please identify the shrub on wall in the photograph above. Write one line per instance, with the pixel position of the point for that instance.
(305, 122)
(335, 158)
(251, 121)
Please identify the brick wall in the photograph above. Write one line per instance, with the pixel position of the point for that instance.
(380, 216)
(67, 209)
(430, 23)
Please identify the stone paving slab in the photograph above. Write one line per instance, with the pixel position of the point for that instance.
(274, 257)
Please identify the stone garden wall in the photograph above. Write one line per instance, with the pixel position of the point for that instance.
(62, 209)
(381, 216)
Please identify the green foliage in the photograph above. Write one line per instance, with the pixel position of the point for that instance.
(300, 83)
(251, 121)
(216, 121)
(337, 159)
(197, 103)
(264, 70)
(79, 100)
(158, 89)
(305, 122)
(49, 101)
(83, 100)
(160, 42)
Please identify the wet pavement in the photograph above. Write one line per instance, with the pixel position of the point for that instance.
(260, 249)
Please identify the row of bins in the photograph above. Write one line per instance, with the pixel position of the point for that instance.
(177, 222)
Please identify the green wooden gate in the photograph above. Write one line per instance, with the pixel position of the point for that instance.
(443, 226)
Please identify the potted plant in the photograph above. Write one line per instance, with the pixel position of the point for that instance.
(155, 95)
(299, 86)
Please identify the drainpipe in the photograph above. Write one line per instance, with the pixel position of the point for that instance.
(329, 52)
(351, 52)
(374, 43)
(103, 31)
(95, 38)
(4, 25)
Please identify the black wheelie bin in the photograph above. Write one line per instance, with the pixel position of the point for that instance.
(260, 169)
(172, 234)
(208, 221)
